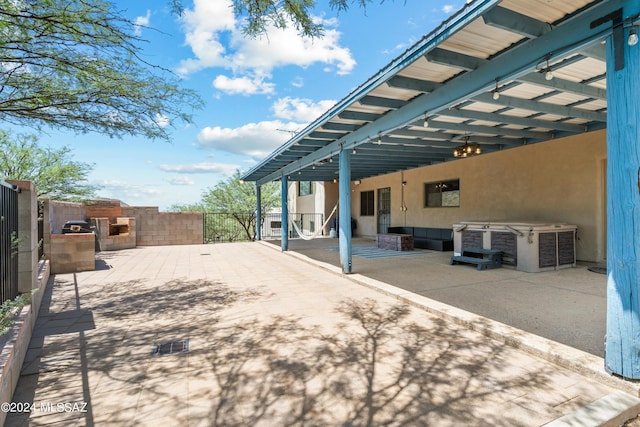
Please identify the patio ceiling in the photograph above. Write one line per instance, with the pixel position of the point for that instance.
(449, 79)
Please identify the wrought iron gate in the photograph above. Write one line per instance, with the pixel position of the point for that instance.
(8, 241)
(384, 209)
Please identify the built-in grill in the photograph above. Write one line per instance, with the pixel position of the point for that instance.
(77, 227)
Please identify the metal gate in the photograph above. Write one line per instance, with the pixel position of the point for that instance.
(224, 227)
(384, 209)
(8, 241)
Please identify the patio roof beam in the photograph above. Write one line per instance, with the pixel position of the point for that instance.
(469, 63)
(359, 115)
(348, 127)
(515, 22)
(489, 130)
(327, 135)
(511, 120)
(446, 140)
(545, 107)
(378, 101)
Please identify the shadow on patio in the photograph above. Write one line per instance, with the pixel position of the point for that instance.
(270, 343)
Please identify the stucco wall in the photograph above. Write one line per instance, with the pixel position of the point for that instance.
(561, 181)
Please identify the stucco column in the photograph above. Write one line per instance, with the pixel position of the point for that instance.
(285, 213)
(344, 233)
(622, 349)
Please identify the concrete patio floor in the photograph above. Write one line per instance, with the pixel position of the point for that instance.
(567, 306)
(280, 339)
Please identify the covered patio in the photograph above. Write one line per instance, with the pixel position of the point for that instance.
(497, 75)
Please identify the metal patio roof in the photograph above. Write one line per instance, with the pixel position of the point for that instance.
(450, 79)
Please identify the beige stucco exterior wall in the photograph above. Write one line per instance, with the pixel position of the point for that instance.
(563, 180)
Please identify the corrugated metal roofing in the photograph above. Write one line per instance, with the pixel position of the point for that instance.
(449, 79)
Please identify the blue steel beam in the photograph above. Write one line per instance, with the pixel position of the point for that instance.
(567, 38)
(622, 347)
(258, 212)
(344, 189)
(284, 218)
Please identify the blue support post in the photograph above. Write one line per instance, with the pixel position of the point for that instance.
(258, 212)
(344, 189)
(622, 349)
(284, 241)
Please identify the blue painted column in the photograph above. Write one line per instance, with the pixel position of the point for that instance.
(344, 189)
(622, 349)
(258, 212)
(284, 241)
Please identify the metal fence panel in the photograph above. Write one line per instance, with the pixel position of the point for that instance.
(232, 227)
(8, 241)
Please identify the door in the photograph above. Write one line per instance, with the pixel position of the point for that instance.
(384, 209)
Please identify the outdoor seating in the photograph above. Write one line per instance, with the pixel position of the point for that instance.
(438, 239)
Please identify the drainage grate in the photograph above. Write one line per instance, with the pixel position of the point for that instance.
(171, 347)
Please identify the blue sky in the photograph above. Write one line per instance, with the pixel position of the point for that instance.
(256, 91)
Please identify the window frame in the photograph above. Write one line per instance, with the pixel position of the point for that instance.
(368, 206)
(429, 198)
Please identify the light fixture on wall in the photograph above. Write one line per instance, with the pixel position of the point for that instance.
(425, 123)
(379, 142)
(467, 150)
(354, 151)
(633, 37)
(357, 182)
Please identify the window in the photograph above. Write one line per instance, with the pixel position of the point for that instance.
(442, 194)
(366, 203)
(305, 188)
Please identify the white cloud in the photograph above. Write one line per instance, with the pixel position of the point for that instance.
(243, 85)
(216, 39)
(286, 47)
(205, 167)
(254, 139)
(301, 110)
(142, 21)
(162, 120)
(180, 180)
(448, 8)
(297, 82)
(125, 191)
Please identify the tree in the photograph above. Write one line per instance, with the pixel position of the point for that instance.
(53, 172)
(237, 199)
(77, 65)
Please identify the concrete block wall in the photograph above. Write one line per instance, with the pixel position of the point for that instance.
(155, 228)
(109, 242)
(104, 209)
(71, 253)
(55, 215)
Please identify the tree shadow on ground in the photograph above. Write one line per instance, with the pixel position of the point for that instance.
(381, 366)
(377, 369)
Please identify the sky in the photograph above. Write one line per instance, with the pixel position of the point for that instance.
(257, 92)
